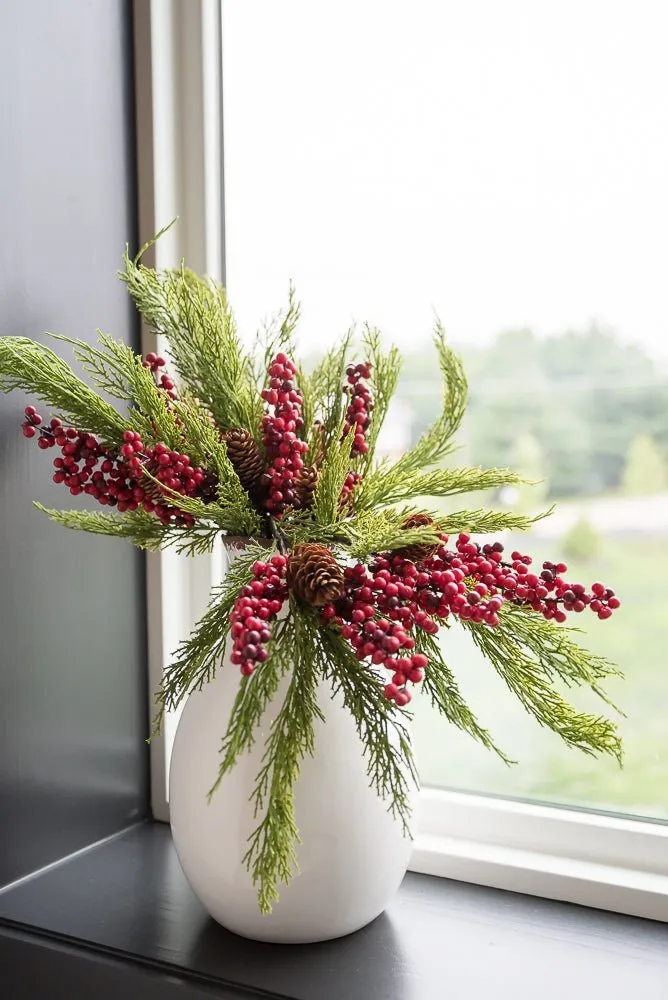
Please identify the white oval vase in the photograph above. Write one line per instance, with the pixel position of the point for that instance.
(353, 854)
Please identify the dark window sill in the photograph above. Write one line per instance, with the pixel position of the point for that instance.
(122, 921)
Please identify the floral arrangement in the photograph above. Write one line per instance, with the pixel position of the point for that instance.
(346, 574)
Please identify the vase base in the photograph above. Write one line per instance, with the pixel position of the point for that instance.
(283, 935)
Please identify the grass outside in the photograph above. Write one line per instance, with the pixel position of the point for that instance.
(636, 638)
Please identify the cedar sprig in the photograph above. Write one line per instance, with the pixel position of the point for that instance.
(370, 532)
(142, 529)
(388, 485)
(231, 512)
(252, 699)
(35, 368)
(385, 370)
(198, 657)
(272, 852)
(333, 472)
(528, 653)
(211, 450)
(558, 652)
(116, 369)
(439, 440)
(381, 727)
(485, 522)
(194, 315)
(327, 381)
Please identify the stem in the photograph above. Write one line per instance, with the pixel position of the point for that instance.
(278, 536)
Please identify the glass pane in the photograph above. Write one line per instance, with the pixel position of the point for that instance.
(502, 164)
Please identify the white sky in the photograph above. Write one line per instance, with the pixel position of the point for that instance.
(503, 162)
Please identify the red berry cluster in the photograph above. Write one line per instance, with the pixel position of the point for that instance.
(284, 449)
(257, 605)
(155, 363)
(547, 592)
(117, 480)
(31, 423)
(176, 472)
(378, 611)
(384, 603)
(358, 415)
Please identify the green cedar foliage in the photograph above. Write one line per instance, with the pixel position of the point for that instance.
(195, 317)
(36, 369)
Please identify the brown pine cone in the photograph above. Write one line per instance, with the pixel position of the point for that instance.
(314, 575)
(304, 485)
(246, 458)
(417, 553)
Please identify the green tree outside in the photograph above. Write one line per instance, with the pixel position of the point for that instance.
(645, 470)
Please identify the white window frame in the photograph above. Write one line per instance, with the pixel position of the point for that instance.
(604, 861)
(178, 107)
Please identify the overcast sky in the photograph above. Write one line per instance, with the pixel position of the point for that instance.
(501, 162)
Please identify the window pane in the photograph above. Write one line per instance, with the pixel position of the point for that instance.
(502, 164)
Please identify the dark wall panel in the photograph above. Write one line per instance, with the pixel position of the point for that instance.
(73, 763)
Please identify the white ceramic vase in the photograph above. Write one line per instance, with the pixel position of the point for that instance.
(353, 854)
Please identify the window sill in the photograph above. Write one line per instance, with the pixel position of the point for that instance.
(597, 860)
(125, 907)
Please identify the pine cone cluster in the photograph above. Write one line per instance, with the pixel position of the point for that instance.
(417, 553)
(314, 575)
(246, 457)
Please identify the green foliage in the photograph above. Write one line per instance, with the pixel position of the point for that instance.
(27, 365)
(146, 531)
(333, 472)
(380, 726)
(277, 335)
(385, 368)
(645, 471)
(582, 541)
(529, 654)
(382, 531)
(253, 698)
(437, 441)
(271, 857)
(392, 484)
(327, 382)
(239, 514)
(116, 369)
(232, 513)
(481, 522)
(194, 315)
(142, 529)
(198, 657)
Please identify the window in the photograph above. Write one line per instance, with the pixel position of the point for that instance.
(503, 165)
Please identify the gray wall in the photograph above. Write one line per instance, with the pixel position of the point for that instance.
(73, 762)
